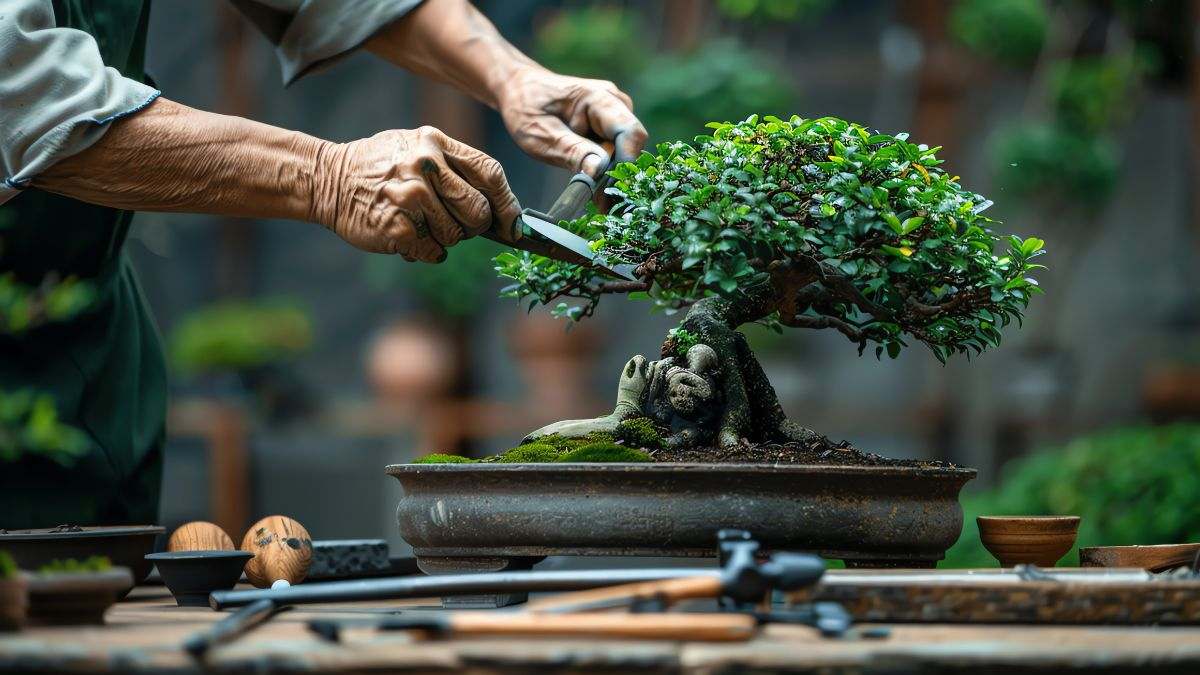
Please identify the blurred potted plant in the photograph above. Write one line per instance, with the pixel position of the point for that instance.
(251, 342)
(429, 359)
(29, 422)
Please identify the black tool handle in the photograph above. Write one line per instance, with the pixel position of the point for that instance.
(574, 199)
(231, 627)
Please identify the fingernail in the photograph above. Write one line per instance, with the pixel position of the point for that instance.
(592, 164)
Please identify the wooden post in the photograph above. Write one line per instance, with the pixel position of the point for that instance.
(237, 236)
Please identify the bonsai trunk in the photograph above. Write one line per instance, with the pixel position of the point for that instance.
(708, 389)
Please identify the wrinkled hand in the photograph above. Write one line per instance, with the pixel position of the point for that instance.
(555, 117)
(412, 193)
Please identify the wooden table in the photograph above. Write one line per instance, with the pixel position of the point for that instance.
(144, 632)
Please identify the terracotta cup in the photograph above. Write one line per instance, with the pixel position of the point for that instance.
(1028, 540)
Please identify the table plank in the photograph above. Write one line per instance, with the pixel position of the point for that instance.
(145, 631)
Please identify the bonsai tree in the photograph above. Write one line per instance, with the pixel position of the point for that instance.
(817, 223)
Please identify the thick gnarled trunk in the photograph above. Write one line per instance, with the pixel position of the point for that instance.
(707, 389)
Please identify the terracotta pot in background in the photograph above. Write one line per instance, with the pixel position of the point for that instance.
(555, 364)
(409, 364)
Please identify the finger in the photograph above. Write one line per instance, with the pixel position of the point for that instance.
(442, 227)
(407, 230)
(469, 208)
(487, 176)
(611, 118)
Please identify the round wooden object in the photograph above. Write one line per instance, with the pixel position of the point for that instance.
(199, 535)
(282, 550)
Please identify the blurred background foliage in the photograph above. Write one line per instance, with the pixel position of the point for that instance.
(1078, 117)
(1135, 485)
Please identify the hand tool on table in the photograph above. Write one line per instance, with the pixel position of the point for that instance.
(231, 627)
(743, 580)
(827, 617)
(741, 573)
(541, 233)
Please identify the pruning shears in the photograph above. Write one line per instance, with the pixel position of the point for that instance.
(541, 234)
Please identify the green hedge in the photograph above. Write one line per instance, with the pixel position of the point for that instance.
(1137, 485)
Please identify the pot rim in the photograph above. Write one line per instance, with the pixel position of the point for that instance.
(680, 467)
(99, 531)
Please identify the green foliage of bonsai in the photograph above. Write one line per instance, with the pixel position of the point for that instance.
(237, 336)
(639, 432)
(1055, 164)
(816, 223)
(29, 425)
(440, 458)
(1009, 31)
(95, 563)
(602, 451)
(8, 566)
(530, 453)
(1131, 486)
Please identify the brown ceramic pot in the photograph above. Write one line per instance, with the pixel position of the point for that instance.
(1028, 540)
(14, 602)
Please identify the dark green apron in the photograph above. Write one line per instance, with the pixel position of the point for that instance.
(104, 367)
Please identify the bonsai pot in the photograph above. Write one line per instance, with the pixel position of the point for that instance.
(124, 546)
(192, 575)
(73, 598)
(14, 602)
(457, 515)
(1028, 540)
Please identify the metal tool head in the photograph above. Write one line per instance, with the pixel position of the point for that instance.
(745, 579)
(567, 246)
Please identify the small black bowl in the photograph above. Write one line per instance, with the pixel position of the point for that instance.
(192, 575)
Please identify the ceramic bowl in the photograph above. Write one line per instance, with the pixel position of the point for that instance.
(123, 545)
(192, 575)
(1028, 540)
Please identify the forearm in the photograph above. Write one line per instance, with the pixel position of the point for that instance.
(170, 157)
(453, 42)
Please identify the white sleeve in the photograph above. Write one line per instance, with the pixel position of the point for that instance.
(56, 95)
(311, 34)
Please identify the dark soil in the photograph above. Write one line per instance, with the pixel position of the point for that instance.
(821, 451)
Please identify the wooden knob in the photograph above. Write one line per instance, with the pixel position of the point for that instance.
(199, 535)
(282, 550)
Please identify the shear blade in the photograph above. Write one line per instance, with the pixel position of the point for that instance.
(576, 245)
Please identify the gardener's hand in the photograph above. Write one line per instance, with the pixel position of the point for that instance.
(412, 193)
(555, 117)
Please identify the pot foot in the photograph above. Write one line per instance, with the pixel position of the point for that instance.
(434, 565)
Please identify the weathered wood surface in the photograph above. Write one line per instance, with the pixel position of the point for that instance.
(1078, 596)
(144, 634)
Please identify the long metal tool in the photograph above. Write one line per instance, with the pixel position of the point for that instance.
(742, 579)
(385, 588)
(231, 627)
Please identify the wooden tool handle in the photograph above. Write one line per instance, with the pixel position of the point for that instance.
(282, 549)
(669, 592)
(681, 626)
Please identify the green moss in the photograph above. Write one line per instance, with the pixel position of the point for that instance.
(8, 566)
(96, 563)
(639, 432)
(604, 451)
(440, 458)
(530, 453)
